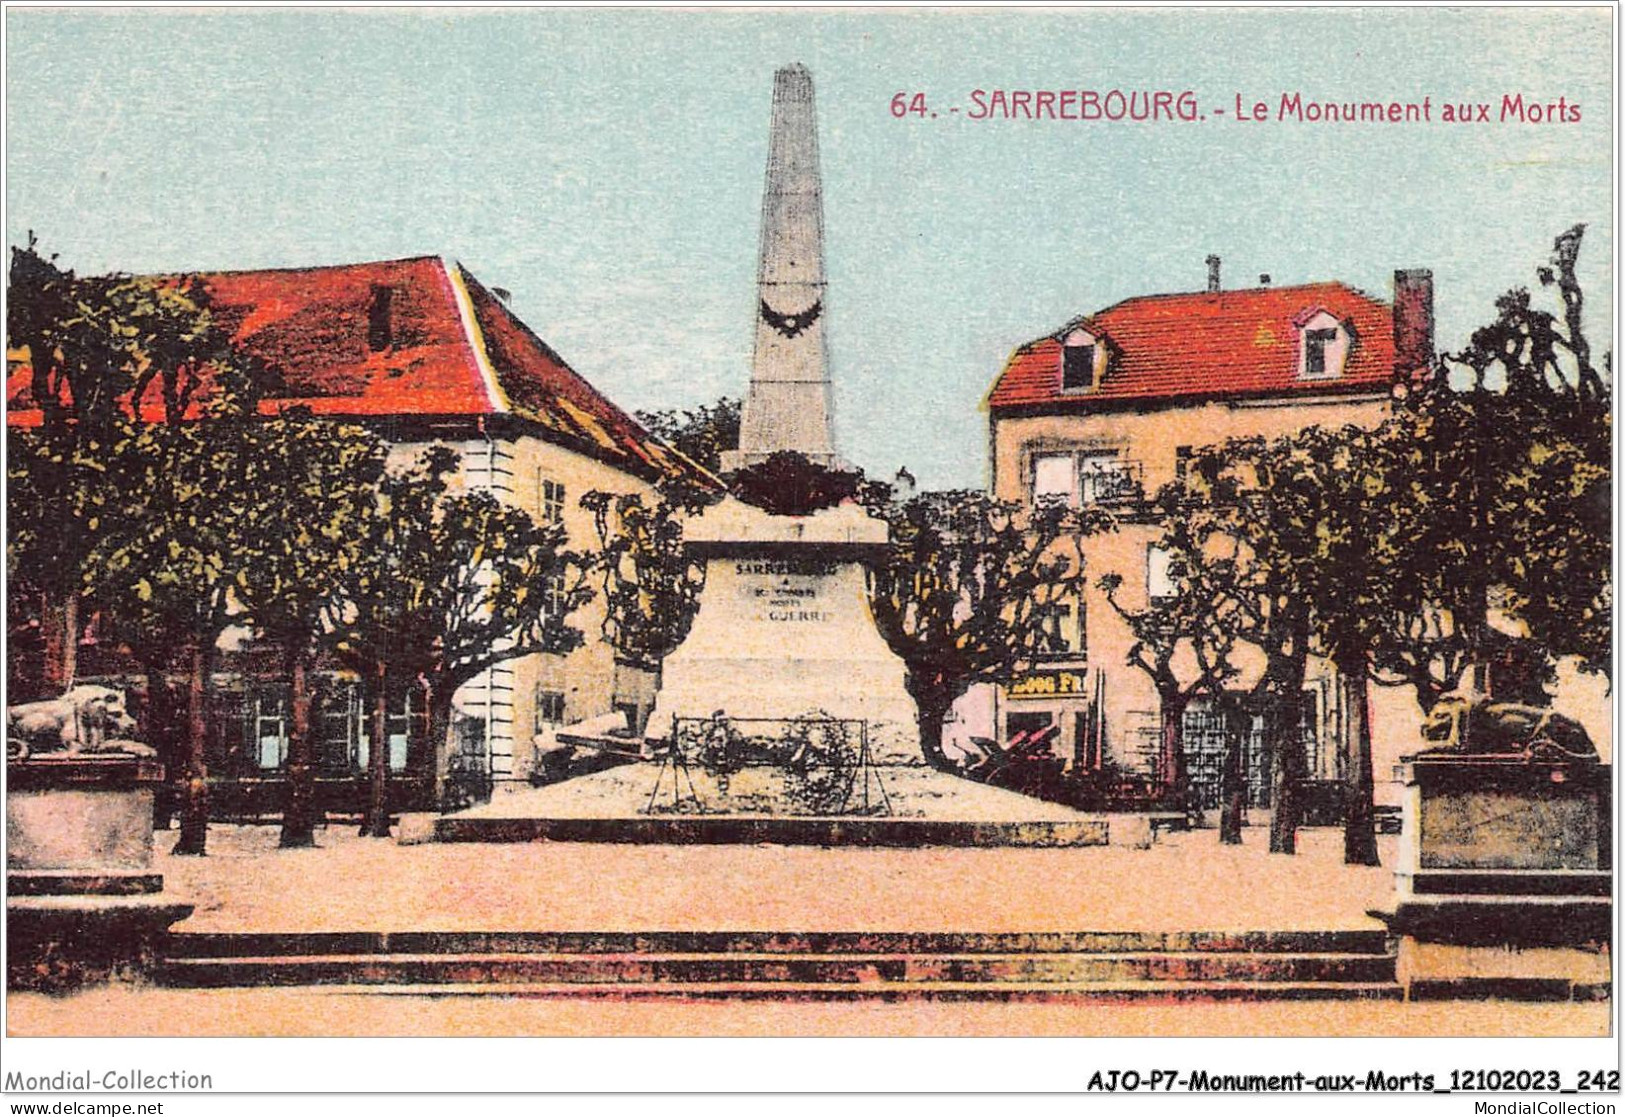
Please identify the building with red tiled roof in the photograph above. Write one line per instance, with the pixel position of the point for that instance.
(419, 351)
(1105, 410)
(1209, 345)
(401, 344)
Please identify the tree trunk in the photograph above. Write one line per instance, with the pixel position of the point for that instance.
(59, 630)
(160, 729)
(1359, 816)
(438, 703)
(1233, 784)
(299, 813)
(376, 823)
(1171, 752)
(1283, 725)
(195, 790)
(930, 714)
(70, 640)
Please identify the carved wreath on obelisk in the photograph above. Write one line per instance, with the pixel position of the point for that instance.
(792, 325)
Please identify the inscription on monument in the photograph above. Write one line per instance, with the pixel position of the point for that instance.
(787, 591)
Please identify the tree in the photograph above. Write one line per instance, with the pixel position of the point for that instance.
(1501, 487)
(314, 487)
(170, 569)
(1183, 641)
(94, 347)
(377, 624)
(1349, 578)
(1251, 506)
(1388, 552)
(651, 585)
(1550, 429)
(116, 365)
(1283, 552)
(492, 586)
(701, 434)
(964, 593)
(51, 470)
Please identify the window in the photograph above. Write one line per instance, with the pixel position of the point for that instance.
(1053, 477)
(549, 500)
(1206, 736)
(1060, 629)
(1324, 344)
(1077, 367)
(549, 708)
(398, 729)
(270, 733)
(1322, 764)
(554, 605)
(1071, 478)
(1162, 574)
(1314, 351)
(338, 723)
(1182, 462)
(1105, 477)
(1079, 353)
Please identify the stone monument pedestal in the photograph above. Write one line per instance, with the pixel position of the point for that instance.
(1504, 878)
(82, 903)
(785, 647)
(784, 627)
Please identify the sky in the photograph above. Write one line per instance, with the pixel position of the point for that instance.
(606, 168)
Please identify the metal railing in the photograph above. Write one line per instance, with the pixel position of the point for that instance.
(1118, 483)
(815, 766)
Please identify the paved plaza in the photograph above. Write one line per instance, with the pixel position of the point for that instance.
(1184, 882)
(126, 1011)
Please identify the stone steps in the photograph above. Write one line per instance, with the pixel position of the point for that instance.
(993, 966)
(396, 969)
(1149, 992)
(871, 833)
(206, 944)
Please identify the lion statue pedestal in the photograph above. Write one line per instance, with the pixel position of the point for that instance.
(1504, 874)
(82, 903)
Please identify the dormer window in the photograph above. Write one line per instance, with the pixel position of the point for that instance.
(1314, 351)
(1079, 354)
(1323, 345)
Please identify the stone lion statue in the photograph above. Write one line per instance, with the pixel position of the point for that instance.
(87, 719)
(1472, 725)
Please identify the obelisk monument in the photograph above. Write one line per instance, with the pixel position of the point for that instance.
(788, 406)
(784, 627)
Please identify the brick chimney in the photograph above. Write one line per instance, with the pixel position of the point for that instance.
(1212, 275)
(1413, 320)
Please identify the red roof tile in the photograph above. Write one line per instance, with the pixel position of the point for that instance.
(541, 387)
(418, 337)
(1205, 345)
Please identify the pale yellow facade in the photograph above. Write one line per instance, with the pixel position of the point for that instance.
(524, 697)
(1149, 439)
(1152, 435)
